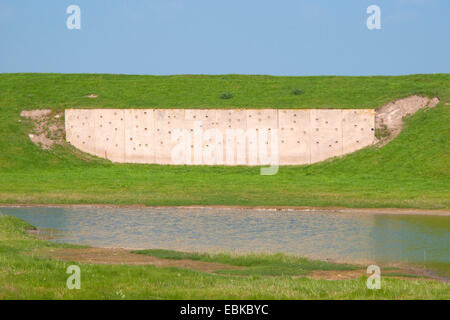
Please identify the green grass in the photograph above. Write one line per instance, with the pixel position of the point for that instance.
(410, 172)
(255, 264)
(26, 275)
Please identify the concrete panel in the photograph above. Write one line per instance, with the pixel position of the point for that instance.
(358, 128)
(326, 135)
(69, 123)
(261, 125)
(81, 126)
(206, 144)
(211, 137)
(139, 135)
(109, 134)
(294, 130)
(232, 123)
(167, 123)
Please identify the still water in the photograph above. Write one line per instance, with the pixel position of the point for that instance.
(337, 236)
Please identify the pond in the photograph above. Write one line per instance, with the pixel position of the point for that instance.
(351, 237)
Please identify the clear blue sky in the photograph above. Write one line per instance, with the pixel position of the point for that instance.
(285, 37)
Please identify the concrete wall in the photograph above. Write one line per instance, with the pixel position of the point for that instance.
(220, 137)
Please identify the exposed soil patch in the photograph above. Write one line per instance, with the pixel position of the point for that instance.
(337, 274)
(117, 256)
(389, 118)
(35, 114)
(48, 127)
(43, 234)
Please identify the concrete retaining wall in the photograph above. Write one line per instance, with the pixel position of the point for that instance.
(220, 137)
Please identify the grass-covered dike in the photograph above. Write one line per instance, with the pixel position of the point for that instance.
(410, 172)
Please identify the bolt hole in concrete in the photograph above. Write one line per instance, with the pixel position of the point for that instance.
(418, 240)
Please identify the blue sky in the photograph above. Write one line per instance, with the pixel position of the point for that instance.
(285, 37)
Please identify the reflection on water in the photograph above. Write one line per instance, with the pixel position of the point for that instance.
(337, 236)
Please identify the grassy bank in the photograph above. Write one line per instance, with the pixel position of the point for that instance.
(254, 264)
(410, 172)
(27, 274)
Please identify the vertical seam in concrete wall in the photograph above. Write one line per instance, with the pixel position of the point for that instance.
(215, 126)
(310, 135)
(279, 136)
(154, 135)
(124, 122)
(66, 124)
(183, 114)
(94, 132)
(278, 140)
(373, 124)
(124, 136)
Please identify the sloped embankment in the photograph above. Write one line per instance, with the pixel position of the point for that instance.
(389, 118)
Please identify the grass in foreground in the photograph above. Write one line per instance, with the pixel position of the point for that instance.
(26, 275)
(410, 172)
(255, 264)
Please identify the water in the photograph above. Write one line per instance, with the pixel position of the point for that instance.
(336, 236)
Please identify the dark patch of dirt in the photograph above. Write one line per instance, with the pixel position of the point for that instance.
(118, 256)
(336, 274)
(43, 234)
(48, 127)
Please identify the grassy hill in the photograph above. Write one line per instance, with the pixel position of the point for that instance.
(412, 171)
